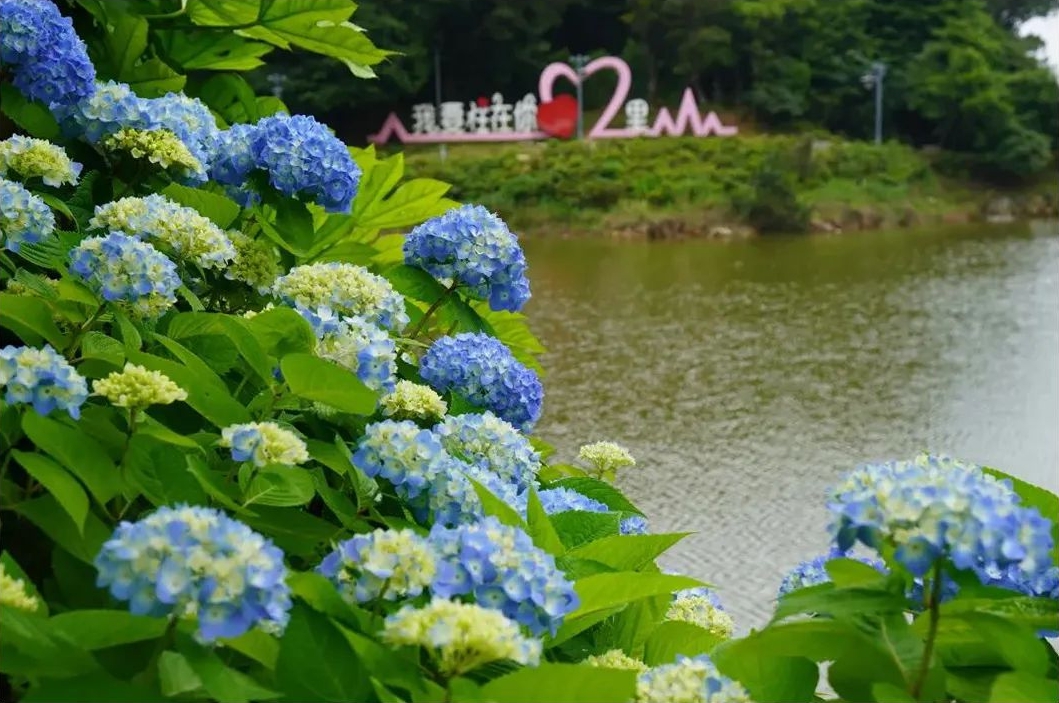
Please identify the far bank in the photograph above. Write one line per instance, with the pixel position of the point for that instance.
(726, 187)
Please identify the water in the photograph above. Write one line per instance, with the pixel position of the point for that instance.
(747, 377)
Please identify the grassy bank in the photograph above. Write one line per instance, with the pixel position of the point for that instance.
(695, 186)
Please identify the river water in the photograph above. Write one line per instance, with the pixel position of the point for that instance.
(746, 377)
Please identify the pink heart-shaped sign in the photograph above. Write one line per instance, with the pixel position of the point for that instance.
(558, 117)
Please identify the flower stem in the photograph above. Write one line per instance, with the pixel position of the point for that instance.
(82, 332)
(432, 309)
(932, 602)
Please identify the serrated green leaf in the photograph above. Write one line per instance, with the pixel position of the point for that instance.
(305, 675)
(599, 490)
(99, 629)
(46, 513)
(576, 528)
(495, 506)
(78, 452)
(280, 486)
(627, 552)
(562, 683)
(222, 683)
(194, 51)
(672, 638)
(30, 318)
(31, 117)
(540, 526)
(221, 210)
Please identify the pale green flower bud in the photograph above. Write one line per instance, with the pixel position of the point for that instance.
(13, 593)
(413, 401)
(616, 659)
(137, 387)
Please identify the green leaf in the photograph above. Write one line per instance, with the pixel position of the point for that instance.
(603, 591)
(282, 331)
(67, 491)
(280, 486)
(305, 675)
(414, 283)
(222, 683)
(599, 490)
(46, 513)
(850, 573)
(15, 571)
(771, 679)
(493, 505)
(415, 201)
(31, 117)
(130, 336)
(96, 687)
(160, 471)
(31, 319)
(256, 644)
(672, 638)
(236, 330)
(1024, 687)
(209, 52)
(825, 599)
(540, 526)
(1030, 613)
(98, 629)
(294, 223)
(627, 552)
(577, 528)
(56, 204)
(221, 210)
(97, 345)
(212, 483)
(323, 381)
(295, 532)
(78, 452)
(176, 675)
(562, 683)
(378, 179)
(230, 96)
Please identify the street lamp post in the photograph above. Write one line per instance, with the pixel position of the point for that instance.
(578, 61)
(874, 78)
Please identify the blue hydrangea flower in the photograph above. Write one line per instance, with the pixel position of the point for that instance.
(491, 444)
(935, 507)
(471, 245)
(688, 680)
(301, 156)
(344, 289)
(356, 344)
(41, 378)
(230, 158)
(484, 371)
(454, 500)
(387, 564)
(197, 562)
(264, 443)
(50, 62)
(499, 567)
(633, 525)
(124, 269)
(558, 500)
(24, 218)
(813, 572)
(180, 229)
(404, 454)
(107, 109)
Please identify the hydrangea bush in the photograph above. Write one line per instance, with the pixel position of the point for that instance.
(265, 416)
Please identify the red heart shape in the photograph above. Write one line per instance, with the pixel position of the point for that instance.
(558, 118)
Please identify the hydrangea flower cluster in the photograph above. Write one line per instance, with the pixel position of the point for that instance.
(404, 454)
(254, 263)
(264, 443)
(182, 230)
(110, 106)
(814, 572)
(483, 370)
(161, 147)
(301, 156)
(460, 636)
(634, 525)
(387, 564)
(345, 289)
(471, 245)
(13, 593)
(702, 607)
(558, 500)
(605, 458)
(500, 567)
(194, 561)
(413, 401)
(616, 659)
(688, 680)
(24, 218)
(41, 378)
(187, 118)
(492, 444)
(453, 499)
(356, 344)
(124, 269)
(932, 508)
(50, 62)
(137, 387)
(38, 158)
